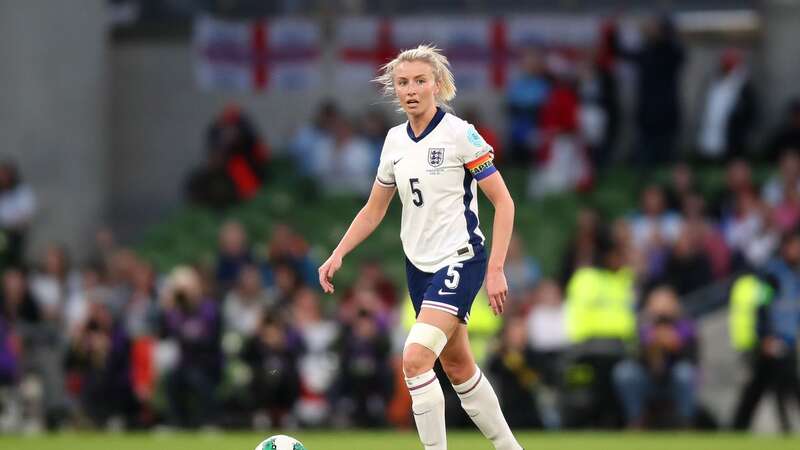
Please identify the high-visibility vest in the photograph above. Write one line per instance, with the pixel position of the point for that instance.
(747, 295)
(600, 305)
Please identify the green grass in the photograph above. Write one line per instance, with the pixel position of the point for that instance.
(358, 440)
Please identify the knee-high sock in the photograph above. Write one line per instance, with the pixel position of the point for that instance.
(480, 402)
(427, 401)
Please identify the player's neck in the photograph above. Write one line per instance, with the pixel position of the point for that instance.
(420, 121)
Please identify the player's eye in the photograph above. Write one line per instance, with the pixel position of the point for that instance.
(421, 81)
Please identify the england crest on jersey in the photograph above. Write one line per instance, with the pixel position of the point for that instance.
(435, 156)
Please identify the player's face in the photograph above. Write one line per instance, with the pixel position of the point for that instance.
(415, 86)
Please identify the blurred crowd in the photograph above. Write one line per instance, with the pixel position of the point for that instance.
(248, 340)
(570, 113)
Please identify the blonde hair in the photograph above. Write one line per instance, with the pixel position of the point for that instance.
(441, 72)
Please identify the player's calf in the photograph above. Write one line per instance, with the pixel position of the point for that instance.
(423, 345)
(482, 406)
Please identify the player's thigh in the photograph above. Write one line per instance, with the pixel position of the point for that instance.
(456, 358)
(419, 358)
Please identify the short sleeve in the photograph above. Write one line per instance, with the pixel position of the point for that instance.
(385, 175)
(476, 155)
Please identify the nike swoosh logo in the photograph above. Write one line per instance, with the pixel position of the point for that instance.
(397, 160)
(441, 292)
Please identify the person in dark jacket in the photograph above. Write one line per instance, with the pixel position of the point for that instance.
(787, 136)
(658, 111)
(193, 322)
(774, 360)
(513, 367)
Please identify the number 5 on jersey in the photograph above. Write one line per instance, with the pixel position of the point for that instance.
(416, 192)
(455, 277)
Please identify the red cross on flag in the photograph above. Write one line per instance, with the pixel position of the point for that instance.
(256, 55)
(476, 47)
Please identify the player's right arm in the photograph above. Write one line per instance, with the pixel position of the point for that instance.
(362, 226)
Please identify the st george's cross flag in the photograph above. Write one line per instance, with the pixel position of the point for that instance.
(256, 55)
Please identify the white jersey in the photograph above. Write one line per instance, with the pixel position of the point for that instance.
(435, 174)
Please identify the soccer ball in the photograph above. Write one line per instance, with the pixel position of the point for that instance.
(280, 442)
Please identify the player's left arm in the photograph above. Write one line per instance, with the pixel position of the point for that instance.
(494, 187)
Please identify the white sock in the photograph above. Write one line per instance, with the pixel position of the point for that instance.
(427, 402)
(480, 402)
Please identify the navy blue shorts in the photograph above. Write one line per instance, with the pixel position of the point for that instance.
(452, 289)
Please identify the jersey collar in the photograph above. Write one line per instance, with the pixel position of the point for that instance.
(431, 125)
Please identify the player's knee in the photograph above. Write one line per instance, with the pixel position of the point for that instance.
(423, 345)
(417, 360)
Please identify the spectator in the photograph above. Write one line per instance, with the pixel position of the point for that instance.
(141, 327)
(374, 127)
(654, 230)
(659, 62)
(525, 97)
(246, 303)
(211, 185)
(365, 383)
(600, 325)
(53, 284)
(91, 290)
(99, 359)
(287, 282)
(785, 216)
(17, 308)
(600, 109)
(655, 226)
(17, 305)
(140, 311)
(547, 329)
(513, 367)
(582, 250)
(562, 163)
(730, 110)
(372, 278)
(774, 355)
(17, 208)
(318, 366)
(682, 183)
(522, 271)
(19, 318)
(788, 177)
(665, 368)
(234, 253)
(747, 232)
(272, 357)
(787, 136)
(711, 239)
(287, 246)
(245, 154)
(308, 138)
(118, 280)
(688, 267)
(50, 288)
(738, 181)
(192, 321)
(341, 163)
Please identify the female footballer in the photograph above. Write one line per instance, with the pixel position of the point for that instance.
(435, 160)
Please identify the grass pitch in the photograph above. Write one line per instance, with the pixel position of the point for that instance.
(360, 440)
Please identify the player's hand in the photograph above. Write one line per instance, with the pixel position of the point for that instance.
(326, 271)
(497, 288)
